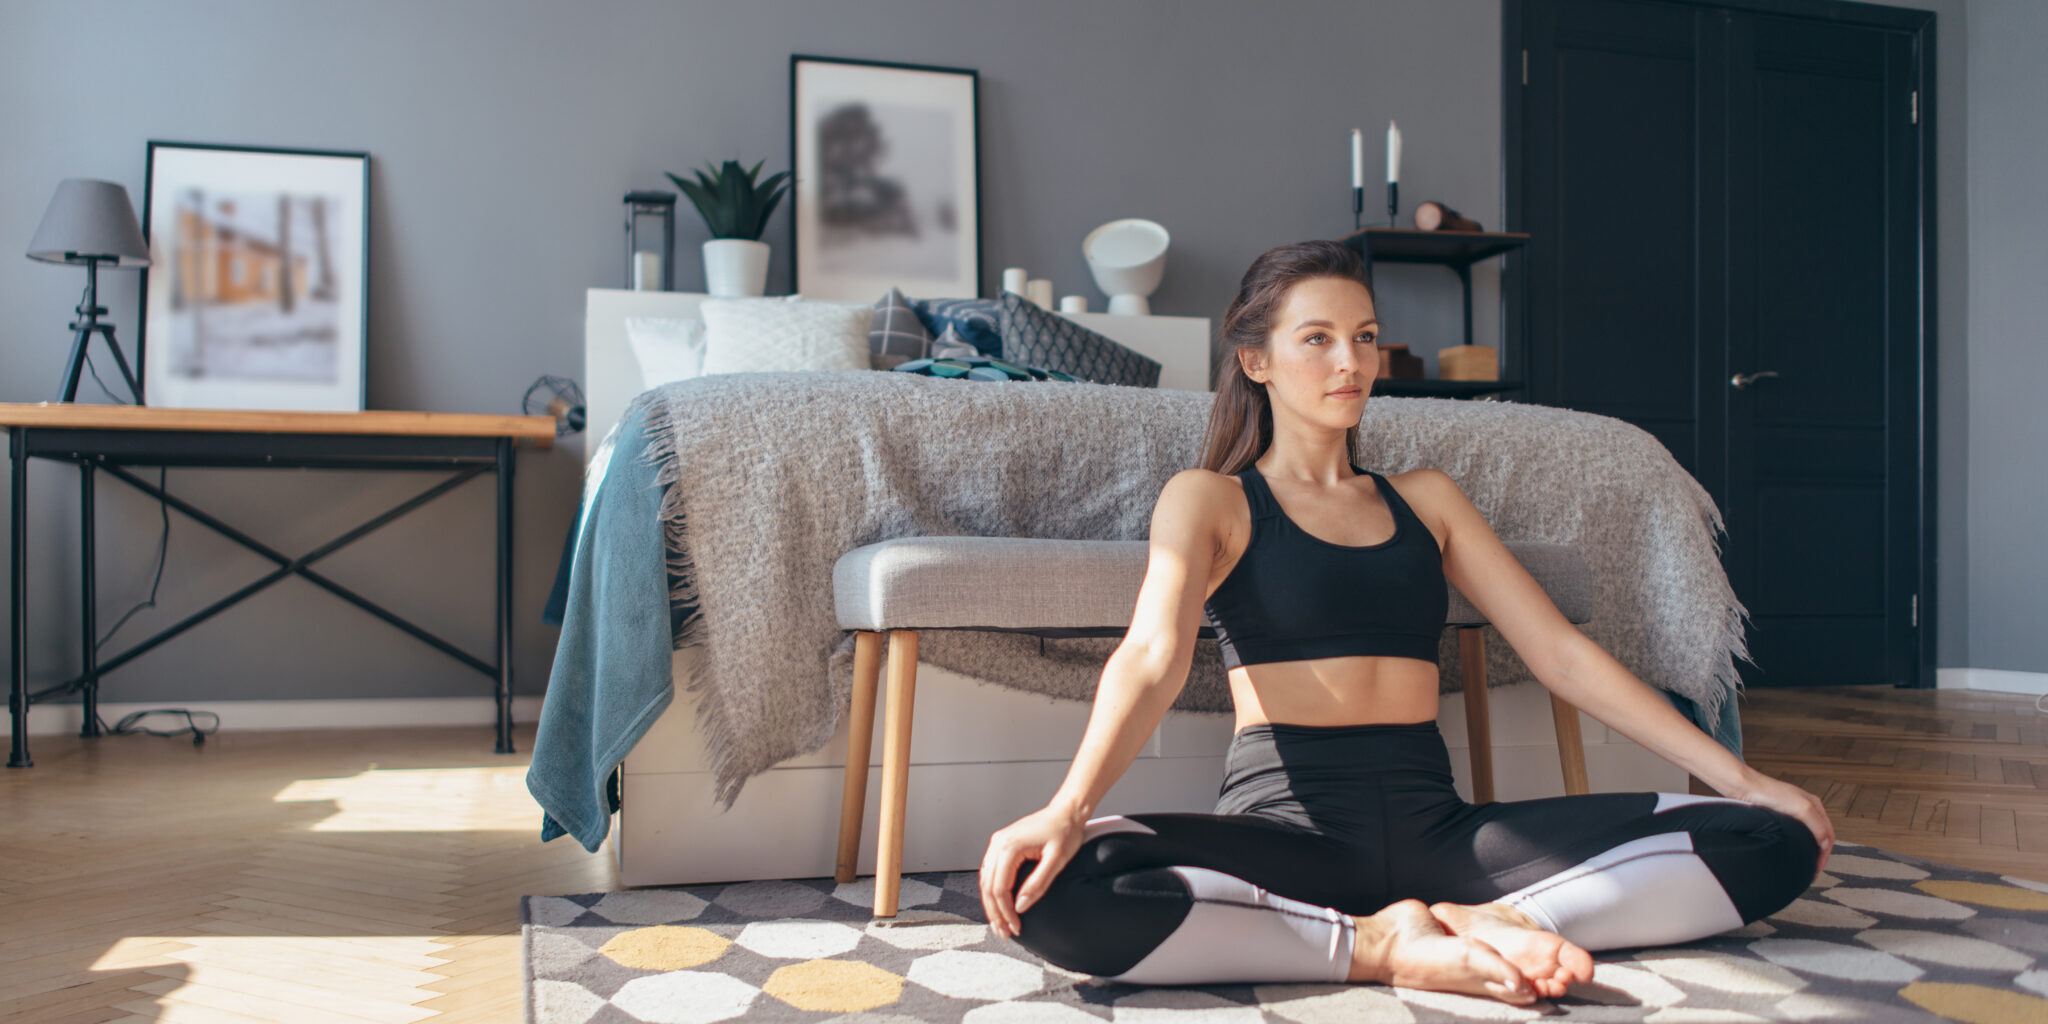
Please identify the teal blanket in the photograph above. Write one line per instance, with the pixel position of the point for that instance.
(610, 680)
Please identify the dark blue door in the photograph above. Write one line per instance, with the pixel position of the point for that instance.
(1726, 252)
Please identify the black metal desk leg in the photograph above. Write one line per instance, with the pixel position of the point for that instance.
(504, 595)
(88, 527)
(17, 592)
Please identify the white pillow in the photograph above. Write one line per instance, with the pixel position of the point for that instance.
(758, 335)
(668, 348)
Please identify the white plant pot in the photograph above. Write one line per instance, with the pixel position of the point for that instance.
(735, 267)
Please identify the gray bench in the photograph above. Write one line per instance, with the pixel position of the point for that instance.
(1068, 588)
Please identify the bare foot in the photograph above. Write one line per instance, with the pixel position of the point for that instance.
(1550, 962)
(1403, 945)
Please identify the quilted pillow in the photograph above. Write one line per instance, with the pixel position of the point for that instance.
(757, 335)
(976, 321)
(897, 330)
(667, 348)
(1039, 338)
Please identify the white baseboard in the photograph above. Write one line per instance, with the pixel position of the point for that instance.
(238, 715)
(1995, 680)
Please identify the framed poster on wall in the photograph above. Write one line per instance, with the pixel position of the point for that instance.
(258, 293)
(888, 179)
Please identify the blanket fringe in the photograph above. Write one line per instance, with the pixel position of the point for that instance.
(694, 630)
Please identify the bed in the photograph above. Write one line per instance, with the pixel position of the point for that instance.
(983, 754)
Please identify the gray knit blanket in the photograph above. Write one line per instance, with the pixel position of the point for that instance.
(769, 477)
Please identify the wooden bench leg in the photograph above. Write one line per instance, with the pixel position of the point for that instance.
(860, 743)
(1478, 724)
(895, 768)
(1571, 749)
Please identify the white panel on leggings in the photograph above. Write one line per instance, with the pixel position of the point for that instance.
(1238, 932)
(1111, 825)
(1652, 891)
(1667, 801)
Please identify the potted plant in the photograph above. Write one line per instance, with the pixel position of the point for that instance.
(736, 209)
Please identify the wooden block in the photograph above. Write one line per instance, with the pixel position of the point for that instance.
(1999, 827)
(1898, 809)
(1869, 802)
(1931, 815)
(2031, 830)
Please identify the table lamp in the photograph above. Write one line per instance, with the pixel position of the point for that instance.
(92, 223)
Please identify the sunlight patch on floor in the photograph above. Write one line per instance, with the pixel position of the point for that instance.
(422, 800)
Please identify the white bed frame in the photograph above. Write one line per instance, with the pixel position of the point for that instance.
(982, 755)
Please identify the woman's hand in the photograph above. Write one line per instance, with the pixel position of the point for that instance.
(1787, 798)
(1049, 836)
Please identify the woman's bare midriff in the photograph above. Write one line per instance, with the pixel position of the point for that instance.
(1352, 690)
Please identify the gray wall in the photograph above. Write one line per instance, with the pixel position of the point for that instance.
(503, 135)
(2008, 475)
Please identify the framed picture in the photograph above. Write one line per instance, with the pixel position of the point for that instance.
(257, 292)
(888, 179)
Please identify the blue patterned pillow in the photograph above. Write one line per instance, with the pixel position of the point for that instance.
(898, 331)
(978, 322)
(1037, 338)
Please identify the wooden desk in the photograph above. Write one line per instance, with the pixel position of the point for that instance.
(110, 438)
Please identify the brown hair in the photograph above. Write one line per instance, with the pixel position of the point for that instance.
(1241, 420)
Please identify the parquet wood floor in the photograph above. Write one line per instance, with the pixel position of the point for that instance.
(1953, 775)
(330, 877)
(351, 876)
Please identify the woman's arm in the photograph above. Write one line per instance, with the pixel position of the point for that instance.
(1578, 670)
(1140, 681)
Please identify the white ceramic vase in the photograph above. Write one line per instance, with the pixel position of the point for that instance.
(735, 267)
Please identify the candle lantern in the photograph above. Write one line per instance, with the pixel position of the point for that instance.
(651, 265)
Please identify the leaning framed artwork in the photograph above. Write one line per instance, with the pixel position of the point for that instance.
(257, 296)
(888, 179)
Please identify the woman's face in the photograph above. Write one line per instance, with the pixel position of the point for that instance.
(1323, 355)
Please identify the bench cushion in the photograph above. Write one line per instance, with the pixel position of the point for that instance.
(1072, 587)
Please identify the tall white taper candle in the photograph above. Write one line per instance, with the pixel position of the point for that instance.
(1357, 158)
(1393, 153)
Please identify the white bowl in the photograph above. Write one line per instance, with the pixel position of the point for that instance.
(1127, 258)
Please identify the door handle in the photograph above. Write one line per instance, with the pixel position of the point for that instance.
(1743, 380)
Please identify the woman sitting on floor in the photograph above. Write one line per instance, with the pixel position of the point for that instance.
(1338, 849)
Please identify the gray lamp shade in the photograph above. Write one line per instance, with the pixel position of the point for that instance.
(90, 218)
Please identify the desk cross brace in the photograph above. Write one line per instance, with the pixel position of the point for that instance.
(88, 680)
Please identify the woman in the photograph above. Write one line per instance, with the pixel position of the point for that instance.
(1338, 850)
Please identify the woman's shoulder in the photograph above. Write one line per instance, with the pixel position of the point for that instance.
(1420, 479)
(1204, 495)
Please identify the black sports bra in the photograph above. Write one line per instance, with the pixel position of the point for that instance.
(1294, 596)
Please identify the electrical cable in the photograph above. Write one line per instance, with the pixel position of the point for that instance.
(162, 551)
(130, 724)
(95, 371)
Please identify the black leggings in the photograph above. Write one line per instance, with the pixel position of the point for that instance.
(1317, 824)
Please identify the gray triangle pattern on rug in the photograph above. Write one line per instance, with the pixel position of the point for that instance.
(1880, 937)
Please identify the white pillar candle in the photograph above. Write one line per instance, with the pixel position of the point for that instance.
(646, 271)
(1357, 158)
(1014, 279)
(1074, 304)
(1393, 153)
(1039, 291)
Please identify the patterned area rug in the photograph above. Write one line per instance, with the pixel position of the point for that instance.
(1880, 937)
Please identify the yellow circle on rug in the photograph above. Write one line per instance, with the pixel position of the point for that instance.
(1984, 894)
(1975, 1003)
(834, 986)
(665, 947)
